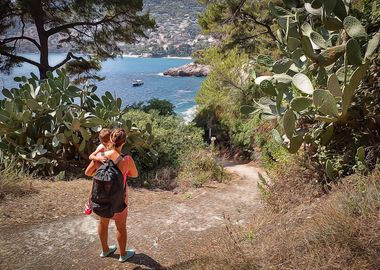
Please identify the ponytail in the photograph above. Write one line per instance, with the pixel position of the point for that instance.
(117, 138)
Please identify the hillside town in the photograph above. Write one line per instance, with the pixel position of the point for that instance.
(177, 34)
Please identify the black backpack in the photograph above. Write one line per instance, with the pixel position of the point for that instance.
(108, 191)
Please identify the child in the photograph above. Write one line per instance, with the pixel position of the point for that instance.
(104, 138)
(97, 157)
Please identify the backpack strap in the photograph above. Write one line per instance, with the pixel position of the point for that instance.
(119, 159)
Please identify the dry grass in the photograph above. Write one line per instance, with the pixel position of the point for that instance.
(293, 183)
(340, 230)
(14, 180)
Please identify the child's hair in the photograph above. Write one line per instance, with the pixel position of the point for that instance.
(118, 137)
(104, 135)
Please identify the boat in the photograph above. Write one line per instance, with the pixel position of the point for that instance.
(137, 83)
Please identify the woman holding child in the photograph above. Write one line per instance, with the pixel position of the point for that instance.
(110, 148)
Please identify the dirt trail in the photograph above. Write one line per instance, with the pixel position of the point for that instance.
(163, 233)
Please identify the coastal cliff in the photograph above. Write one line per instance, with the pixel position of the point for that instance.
(188, 70)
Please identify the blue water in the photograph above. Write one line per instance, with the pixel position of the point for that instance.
(120, 73)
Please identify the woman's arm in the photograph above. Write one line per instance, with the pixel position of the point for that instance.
(132, 170)
(91, 169)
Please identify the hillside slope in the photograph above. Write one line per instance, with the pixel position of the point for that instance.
(178, 32)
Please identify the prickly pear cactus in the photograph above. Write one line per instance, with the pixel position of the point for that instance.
(327, 54)
(44, 124)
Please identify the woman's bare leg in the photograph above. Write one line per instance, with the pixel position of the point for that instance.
(121, 235)
(103, 233)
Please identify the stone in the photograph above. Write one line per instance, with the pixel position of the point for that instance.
(188, 70)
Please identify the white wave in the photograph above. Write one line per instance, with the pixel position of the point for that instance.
(162, 74)
(131, 55)
(178, 57)
(183, 102)
(189, 114)
(184, 91)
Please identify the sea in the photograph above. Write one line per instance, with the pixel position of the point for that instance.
(119, 74)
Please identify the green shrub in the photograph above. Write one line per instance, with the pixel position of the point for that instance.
(162, 106)
(200, 167)
(12, 176)
(46, 124)
(172, 140)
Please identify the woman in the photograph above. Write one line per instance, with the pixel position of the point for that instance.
(128, 168)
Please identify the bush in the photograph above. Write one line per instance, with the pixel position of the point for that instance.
(200, 167)
(172, 140)
(46, 124)
(12, 177)
(162, 106)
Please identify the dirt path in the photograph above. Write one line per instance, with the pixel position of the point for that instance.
(167, 231)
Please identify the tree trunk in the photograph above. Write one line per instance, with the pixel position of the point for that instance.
(38, 15)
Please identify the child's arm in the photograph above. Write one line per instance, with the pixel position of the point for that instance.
(93, 156)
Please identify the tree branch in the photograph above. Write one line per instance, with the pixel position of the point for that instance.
(11, 39)
(21, 59)
(60, 28)
(254, 19)
(69, 56)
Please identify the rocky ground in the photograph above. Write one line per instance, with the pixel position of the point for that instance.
(45, 228)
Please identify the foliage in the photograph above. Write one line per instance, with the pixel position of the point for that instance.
(162, 106)
(12, 177)
(172, 140)
(200, 167)
(242, 24)
(44, 124)
(96, 27)
(311, 91)
(227, 87)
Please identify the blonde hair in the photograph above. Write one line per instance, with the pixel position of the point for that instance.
(117, 138)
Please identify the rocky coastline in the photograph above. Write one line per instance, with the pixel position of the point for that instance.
(189, 70)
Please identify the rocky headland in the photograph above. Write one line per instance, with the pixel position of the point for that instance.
(188, 70)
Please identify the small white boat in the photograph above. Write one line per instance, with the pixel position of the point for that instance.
(137, 83)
